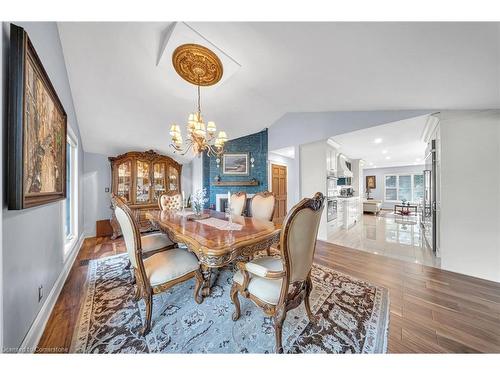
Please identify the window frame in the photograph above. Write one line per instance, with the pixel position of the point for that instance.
(397, 175)
(71, 240)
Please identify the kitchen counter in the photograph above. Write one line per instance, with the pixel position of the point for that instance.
(348, 212)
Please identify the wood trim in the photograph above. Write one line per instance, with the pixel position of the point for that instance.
(236, 183)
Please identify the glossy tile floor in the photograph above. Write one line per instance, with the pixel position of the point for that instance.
(390, 235)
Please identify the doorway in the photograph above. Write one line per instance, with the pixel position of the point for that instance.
(279, 188)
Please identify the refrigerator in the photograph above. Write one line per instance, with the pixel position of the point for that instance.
(429, 207)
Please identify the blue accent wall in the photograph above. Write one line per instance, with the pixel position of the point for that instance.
(256, 146)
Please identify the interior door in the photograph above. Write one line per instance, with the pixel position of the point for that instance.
(278, 187)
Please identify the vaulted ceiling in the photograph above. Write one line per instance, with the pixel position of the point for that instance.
(124, 100)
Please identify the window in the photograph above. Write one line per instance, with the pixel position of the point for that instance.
(71, 202)
(409, 187)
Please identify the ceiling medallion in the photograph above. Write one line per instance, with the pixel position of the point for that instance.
(197, 64)
(201, 67)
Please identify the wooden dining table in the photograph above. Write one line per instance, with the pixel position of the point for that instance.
(214, 240)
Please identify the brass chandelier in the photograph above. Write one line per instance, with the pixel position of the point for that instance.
(199, 66)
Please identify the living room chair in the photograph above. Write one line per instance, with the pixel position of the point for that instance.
(158, 272)
(238, 203)
(278, 285)
(262, 206)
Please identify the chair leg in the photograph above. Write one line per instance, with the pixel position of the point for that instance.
(148, 299)
(307, 302)
(137, 294)
(268, 251)
(236, 302)
(199, 282)
(279, 318)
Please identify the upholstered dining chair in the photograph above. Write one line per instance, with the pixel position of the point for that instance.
(262, 206)
(151, 242)
(170, 201)
(278, 285)
(238, 203)
(158, 272)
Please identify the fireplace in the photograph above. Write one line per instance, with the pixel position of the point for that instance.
(221, 203)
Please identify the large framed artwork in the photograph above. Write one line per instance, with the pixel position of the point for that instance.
(235, 164)
(371, 182)
(36, 133)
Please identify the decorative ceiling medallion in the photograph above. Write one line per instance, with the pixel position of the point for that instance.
(197, 64)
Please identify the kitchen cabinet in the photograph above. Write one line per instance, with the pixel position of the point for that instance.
(331, 160)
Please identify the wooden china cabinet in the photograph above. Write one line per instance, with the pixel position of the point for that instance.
(140, 178)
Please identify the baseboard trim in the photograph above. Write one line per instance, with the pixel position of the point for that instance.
(35, 332)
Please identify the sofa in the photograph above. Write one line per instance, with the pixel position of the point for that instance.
(372, 205)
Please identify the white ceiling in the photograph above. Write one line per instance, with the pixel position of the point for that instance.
(391, 145)
(124, 101)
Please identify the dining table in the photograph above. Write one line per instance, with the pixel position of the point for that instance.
(216, 239)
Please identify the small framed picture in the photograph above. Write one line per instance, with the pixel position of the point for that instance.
(235, 164)
(371, 182)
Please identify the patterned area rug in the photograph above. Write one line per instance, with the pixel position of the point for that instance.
(352, 317)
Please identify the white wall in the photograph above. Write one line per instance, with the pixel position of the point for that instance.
(293, 180)
(470, 199)
(187, 179)
(33, 238)
(313, 176)
(96, 178)
(379, 174)
(196, 174)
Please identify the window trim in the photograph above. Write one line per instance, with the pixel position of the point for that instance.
(397, 186)
(70, 242)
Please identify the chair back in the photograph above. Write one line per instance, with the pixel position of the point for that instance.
(129, 229)
(238, 202)
(262, 206)
(298, 237)
(170, 201)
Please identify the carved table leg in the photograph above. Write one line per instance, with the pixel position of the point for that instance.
(207, 280)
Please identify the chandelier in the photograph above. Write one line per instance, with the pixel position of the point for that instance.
(201, 67)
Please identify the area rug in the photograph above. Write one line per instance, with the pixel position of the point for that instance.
(352, 317)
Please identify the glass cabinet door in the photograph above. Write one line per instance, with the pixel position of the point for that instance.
(173, 179)
(124, 180)
(143, 182)
(159, 180)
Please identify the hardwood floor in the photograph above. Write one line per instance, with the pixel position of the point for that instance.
(432, 311)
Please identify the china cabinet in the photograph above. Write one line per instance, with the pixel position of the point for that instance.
(140, 178)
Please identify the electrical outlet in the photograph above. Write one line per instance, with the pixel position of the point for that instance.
(40, 293)
(106, 190)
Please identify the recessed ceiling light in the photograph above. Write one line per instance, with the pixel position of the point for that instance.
(377, 140)
(384, 151)
(374, 166)
(371, 163)
(417, 159)
(387, 157)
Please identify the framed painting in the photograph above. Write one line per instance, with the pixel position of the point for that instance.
(36, 130)
(235, 164)
(371, 182)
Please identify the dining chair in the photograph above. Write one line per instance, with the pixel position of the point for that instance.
(262, 206)
(238, 203)
(151, 242)
(160, 271)
(278, 285)
(170, 201)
